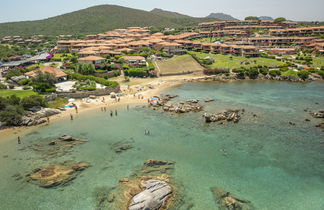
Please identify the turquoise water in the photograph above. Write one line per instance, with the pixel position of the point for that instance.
(269, 162)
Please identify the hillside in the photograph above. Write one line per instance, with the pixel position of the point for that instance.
(169, 14)
(96, 19)
(221, 16)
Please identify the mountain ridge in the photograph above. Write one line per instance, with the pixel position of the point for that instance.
(97, 19)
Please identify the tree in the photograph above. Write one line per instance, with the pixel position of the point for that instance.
(13, 100)
(279, 20)
(31, 101)
(11, 115)
(43, 82)
(303, 74)
(252, 18)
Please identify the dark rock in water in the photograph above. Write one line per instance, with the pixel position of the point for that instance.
(321, 125)
(58, 174)
(123, 148)
(307, 120)
(319, 114)
(228, 115)
(153, 163)
(192, 101)
(226, 201)
(153, 197)
(291, 123)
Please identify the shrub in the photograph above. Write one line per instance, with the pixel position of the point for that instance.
(2, 86)
(31, 101)
(93, 78)
(252, 73)
(26, 88)
(88, 88)
(303, 74)
(11, 86)
(321, 73)
(275, 73)
(24, 82)
(264, 70)
(11, 115)
(136, 72)
(216, 71)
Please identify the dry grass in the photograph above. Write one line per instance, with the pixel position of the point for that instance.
(178, 65)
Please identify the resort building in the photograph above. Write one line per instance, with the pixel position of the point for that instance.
(91, 59)
(306, 31)
(57, 73)
(134, 60)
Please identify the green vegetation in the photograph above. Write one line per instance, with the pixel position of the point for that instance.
(318, 62)
(18, 93)
(227, 61)
(95, 20)
(93, 78)
(58, 103)
(136, 72)
(289, 73)
(207, 40)
(12, 107)
(63, 57)
(279, 20)
(85, 68)
(252, 18)
(44, 83)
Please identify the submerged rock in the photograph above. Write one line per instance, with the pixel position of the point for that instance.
(57, 147)
(121, 146)
(155, 193)
(57, 174)
(209, 100)
(226, 201)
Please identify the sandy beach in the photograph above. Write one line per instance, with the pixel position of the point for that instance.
(143, 89)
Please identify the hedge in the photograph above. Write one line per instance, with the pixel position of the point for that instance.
(93, 78)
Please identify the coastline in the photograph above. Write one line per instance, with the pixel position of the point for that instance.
(83, 107)
(159, 84)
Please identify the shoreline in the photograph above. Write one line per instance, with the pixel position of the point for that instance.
(11, 133)
(128, 99)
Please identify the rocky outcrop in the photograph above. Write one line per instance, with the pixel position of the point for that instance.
(56, 174)
(207, 100)
(226, 201)
(182, 107)
(36, 118)
(154, 195)
(228, 115)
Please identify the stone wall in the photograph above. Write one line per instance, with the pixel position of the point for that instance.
(85, 94)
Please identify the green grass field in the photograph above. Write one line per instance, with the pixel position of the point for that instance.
(19, 93)
(178, 65)
(318, 62)
(289, 73)
(225, 61)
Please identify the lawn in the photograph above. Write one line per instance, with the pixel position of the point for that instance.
(61, 56)
(227, 61)
(19, 93)
(178, 65)
(290, 73)
(318, 61)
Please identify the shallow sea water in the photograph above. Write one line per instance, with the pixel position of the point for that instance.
(269, 162)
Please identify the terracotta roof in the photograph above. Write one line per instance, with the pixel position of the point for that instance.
(127, 58)
(50, 70)
(91, 58)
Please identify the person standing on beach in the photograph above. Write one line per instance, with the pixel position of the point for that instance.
(116, 112)
(19, 141)
(76, 108)
(105, 109)
(111, 113)
(48, 120)
(127, 107)
(71, 116)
